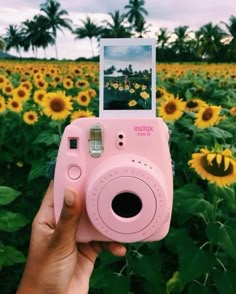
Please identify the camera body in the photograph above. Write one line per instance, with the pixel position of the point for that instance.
(122, 170)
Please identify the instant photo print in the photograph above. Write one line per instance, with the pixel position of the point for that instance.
(127, 77)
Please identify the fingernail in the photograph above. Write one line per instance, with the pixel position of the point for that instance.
(69, 198)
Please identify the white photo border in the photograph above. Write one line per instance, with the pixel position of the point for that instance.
(128, 112)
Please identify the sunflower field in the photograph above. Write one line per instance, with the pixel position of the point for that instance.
(198, 103)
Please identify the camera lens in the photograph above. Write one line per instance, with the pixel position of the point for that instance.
(126, 205)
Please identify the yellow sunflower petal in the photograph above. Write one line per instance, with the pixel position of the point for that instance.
(227, 152)
(218, 158)
(227, 162)
(210, 157)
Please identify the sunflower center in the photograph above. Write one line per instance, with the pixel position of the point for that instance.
(31, 117)
(57, 105)
(191, 104)
(15, 104)
(1, 80)
(21, 93)
(216, 169)
(40, 97)
(84, 98)
(8, 89)
(170, 107)
(207, 114)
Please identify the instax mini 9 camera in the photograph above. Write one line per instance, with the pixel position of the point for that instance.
(122, 170)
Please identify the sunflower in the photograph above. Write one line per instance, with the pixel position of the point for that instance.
(207, 116)
(57, 105)
(195, 104)
(39, 96)
(2, 81)
(82, 84)
(216, 166)
(30, 117)
(27, 85)
(2, 104)
(83, 98)
(14, 105)
(144, 95)
(232, 111)
(68, 83)
(92, 93)
(21, 93)
(7, 89)
(81, 113)
(41, 84)
(132, 103)
(171, 109)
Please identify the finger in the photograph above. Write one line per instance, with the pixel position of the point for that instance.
(89, 251)
(48, 198)
(117, 249)
(45, 214)
(67, 225)
(114, 247)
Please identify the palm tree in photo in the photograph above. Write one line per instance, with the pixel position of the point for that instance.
(136, 12)
(56, 18)
(231, 47)
(88, 30)
(13, 38)
(116, 27)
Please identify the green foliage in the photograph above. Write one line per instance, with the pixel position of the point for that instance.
(10, 222)
(198, 254)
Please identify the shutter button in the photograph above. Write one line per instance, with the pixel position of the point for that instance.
(74, 172)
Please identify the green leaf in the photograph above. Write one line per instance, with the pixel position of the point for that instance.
(225, 281)
(119, 284)
(193, 261)
(38, 169)
(188, 191)
(196, 288)
(7, 195)
(48, 138)
(11, 222)
(10, 255)
(219, 133)
(224, 237)
(149, 267)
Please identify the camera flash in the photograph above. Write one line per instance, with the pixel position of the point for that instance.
(96, 141)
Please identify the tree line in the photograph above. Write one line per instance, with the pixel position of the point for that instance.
(209, 43)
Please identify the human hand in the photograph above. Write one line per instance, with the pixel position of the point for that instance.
(56, 263)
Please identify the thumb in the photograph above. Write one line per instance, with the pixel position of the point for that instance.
(67, 225)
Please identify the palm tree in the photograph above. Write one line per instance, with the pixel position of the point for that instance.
(55, 16)
(210, 41)
(136, 12)
(142, 28)
(116, 28)
(231, 52)
(36, 34)
(163, 37)
(180, 45)
(2, 44)
(88, 30)
(13, 38)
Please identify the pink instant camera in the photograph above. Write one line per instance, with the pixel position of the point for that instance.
(122, 170)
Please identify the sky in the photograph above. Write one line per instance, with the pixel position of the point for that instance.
(169, 14)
